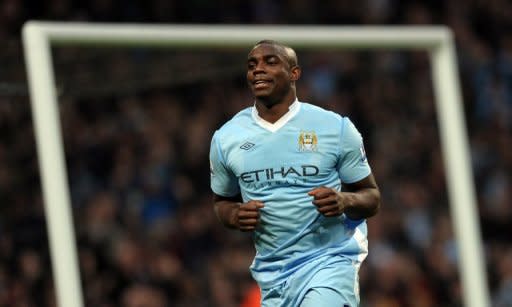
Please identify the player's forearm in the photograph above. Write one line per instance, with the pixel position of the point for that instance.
(363, 203)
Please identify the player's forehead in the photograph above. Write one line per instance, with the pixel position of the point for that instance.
(266, 50)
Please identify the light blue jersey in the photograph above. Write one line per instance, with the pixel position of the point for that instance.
(278, 164)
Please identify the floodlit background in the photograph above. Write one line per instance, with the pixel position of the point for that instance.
(137, 124)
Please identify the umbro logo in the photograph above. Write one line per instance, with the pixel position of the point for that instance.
(247, 146)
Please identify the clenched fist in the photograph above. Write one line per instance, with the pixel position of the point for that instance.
(248, 215)
(328, 202)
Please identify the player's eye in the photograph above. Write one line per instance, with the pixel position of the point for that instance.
(272, 61)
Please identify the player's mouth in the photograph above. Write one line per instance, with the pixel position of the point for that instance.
(261, 84)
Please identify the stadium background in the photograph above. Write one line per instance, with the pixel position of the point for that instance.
(137, 125)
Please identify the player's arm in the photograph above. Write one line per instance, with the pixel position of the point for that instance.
(361, 198)
(233, 213)
(358, 200)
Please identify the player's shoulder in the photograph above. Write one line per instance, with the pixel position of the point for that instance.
(237, 123)
(316, 112)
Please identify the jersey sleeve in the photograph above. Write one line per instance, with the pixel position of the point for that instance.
(352, 164)
(222, 180)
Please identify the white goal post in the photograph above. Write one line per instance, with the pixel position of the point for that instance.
(38, 37)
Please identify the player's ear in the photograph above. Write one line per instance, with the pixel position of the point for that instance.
(295, 73)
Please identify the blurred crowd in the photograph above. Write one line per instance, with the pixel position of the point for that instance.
(137, 146)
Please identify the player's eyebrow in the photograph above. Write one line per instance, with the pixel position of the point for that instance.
(265, 57)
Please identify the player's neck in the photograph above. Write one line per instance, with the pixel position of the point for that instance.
(273, 112)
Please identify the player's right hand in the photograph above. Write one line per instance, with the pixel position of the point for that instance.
(248, 215)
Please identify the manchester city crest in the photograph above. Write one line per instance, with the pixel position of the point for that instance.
(308, 141)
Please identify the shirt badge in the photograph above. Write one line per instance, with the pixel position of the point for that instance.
(308, 141)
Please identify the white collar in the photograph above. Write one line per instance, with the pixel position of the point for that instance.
(293, 109)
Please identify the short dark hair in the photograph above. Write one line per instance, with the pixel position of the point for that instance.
(270, 42)
(289, 53)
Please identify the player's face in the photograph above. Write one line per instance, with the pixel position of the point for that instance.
(269, 74)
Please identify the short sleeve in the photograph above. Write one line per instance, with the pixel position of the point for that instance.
(222, 180)
(352, 164)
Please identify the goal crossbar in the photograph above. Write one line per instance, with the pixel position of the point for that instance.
(39, 37)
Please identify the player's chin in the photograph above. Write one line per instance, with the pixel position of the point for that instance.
(262, 93)
(261, 97)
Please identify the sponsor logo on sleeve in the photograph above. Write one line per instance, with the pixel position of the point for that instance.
(363, 154)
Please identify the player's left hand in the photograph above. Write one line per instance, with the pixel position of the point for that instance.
(328, 202)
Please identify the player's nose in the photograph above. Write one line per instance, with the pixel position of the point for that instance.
(259, 68)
